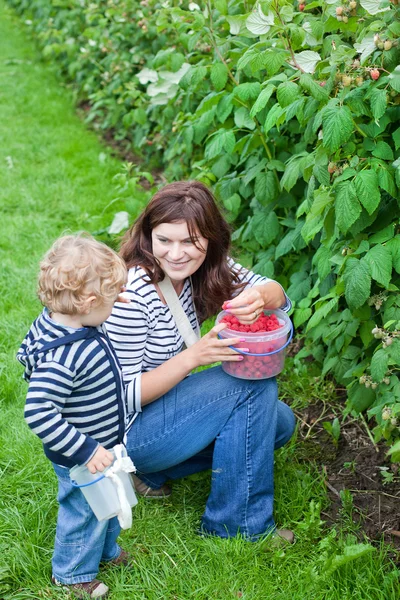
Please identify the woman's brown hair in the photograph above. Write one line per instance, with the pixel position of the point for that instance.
(191, 201)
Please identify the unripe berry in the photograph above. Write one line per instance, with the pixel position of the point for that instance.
(393, 421)
(345, 19)
(386, 381)
(375, 330)
(347, 80)
(374, 386)
(375, 74)
(339, 10)
(362, 379)
(352, 5)
(389, 341)
(386, 413)
(359, 80)
(332, 167)
(367, 384)
(356, 63)
(387, 45)
(339, 17)
(380, 45)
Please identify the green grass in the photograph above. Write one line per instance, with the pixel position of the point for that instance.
(53, 178)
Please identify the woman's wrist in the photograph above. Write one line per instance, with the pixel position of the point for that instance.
(273, 295)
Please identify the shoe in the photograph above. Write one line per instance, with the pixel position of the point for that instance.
(91, 589)
(144, 490)
(280, 538)
(123, 560)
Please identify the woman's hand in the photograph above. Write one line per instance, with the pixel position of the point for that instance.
(249, 304)
(210, 349)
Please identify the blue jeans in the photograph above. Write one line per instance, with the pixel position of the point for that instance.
(213, 420)
(81, 540)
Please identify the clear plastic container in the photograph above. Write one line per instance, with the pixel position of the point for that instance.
(267, 349)
(102, 495)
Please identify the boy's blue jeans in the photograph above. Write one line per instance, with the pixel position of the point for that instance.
(213, 420)
(81, 540)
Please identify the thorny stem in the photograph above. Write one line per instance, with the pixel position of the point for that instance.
(286, 38)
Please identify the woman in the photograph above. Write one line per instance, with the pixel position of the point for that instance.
(181, 425)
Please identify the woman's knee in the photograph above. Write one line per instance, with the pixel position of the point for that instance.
(286, 424)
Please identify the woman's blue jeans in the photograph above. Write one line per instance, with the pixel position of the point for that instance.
(231, 425)
(81, 540)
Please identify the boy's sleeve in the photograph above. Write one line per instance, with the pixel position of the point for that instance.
(127, 328)
(252, 279)
(50, 386)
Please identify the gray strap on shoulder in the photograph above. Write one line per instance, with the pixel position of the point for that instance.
(181, 320)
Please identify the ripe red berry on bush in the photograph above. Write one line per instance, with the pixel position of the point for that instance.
(263, 323)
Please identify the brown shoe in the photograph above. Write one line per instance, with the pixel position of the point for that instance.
(123, 560)
(91, 589)
(144, 490)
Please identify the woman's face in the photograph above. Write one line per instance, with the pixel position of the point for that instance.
(172, 247)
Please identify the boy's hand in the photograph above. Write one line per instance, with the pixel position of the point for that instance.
(101, 459)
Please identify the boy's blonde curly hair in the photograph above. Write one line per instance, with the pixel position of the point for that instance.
(76, 267)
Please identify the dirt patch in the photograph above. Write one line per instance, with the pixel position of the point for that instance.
(360, 479)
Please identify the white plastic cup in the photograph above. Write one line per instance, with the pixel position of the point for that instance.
(102, 496)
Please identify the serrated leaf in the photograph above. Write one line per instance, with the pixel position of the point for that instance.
(266, 187)
(366, 183)
(378, 101)
(233, 204)
(321, 260)
(347, 206)
(219, 76)
(386, 181)
(224, 107)
(394, 79)
(396, 138)
(262, 99)
(242, 119)
(357, 284)
(307, 60)
(236, 22)
(265, 228)
(360, 397)
(272, 60)
(223, 139)
(379, 260)
(259, 23)
(322, 312)
(272, 117)
(379, 364)
(247, 91)
(383, 150)
(287, 92)
(394, 248)
(301, 315)
(373, 7)
(337, 126)
(366, 47)
(383, 235)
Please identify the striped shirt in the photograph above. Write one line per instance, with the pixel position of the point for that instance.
(75, 399)
(144, 334)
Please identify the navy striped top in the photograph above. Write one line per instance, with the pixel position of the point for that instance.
(75, 399)
(144, 334)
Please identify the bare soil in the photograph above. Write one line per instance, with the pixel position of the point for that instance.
(355, 464)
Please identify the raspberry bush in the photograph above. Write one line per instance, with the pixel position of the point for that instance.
(291, 112)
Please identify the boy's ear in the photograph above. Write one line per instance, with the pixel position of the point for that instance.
(90, 303)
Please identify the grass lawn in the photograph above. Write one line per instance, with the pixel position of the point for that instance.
(56, 176)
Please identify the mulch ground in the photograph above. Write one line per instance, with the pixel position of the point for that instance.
(354, 464)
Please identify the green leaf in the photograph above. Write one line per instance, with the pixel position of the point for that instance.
(262, 99)
(347, 206)
(378, 101)
(396, 138)
(272, 60)
(242, 119)
(316, 91)
(379, 364)
(287, 92)
(224, 107)
(337, 126)
(383, 150)
(219, 76)
(259, 23)
(386, 181)
(233, 204)
(394, 79)
(366, 183)
(394, 248)
(223, 139)
(266, 187)
(383, 235)
(265, 228)
(272, 117)
(301, 315)
(307, 60)
(322, 312)
(379, 260)
(247, 91)
(321, 260)
(394, 352)
(357, 283)
(360, 397)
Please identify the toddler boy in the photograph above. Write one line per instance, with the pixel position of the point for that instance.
(75, 400)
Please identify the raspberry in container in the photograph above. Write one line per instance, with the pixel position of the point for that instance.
(267, 349)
